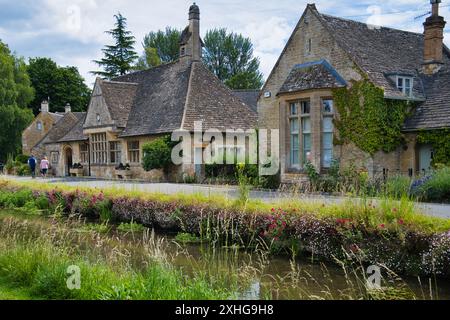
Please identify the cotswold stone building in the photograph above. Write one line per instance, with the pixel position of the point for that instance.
(325, 53)
(136, 108)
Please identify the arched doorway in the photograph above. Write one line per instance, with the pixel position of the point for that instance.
(68, 162)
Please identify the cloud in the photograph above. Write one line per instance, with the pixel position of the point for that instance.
(72, 31)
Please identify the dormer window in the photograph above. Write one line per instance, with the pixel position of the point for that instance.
(405, 85)
(39, 126)
(98, 118)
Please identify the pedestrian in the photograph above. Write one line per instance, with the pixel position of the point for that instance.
(44, 167)
(32, 165)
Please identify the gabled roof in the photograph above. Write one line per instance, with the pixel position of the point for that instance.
(379, 50)
(249, 97)
(434, 113)
(213, 103)
(175, 95)
(119, 97)
(62, 127)
(76, 133)
(312, 75)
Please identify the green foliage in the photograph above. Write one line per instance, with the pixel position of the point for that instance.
(398, 186)
(23, 170)
(22, 158)
(230, 57)
(440, 141)
(131, 227)
(367, 119)
(244, 182)
(157, 154)
(118, 58)
(187, 238)
(160, 47)
(61, 84)
(437, 188)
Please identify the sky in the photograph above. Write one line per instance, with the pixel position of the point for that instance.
(71, 32)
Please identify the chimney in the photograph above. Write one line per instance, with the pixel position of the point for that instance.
(433, 40)
(68, 108)
(190, 42)
(44, 106)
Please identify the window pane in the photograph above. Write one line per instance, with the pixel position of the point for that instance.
(327, 157)
(400, 83)
(327, 124)
(306, 107)
(328, 106)
(295, 126)
(294, 109)
(327, 140)
(306, 125)
(307, 142)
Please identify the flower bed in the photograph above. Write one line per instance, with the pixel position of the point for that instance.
(397, 243)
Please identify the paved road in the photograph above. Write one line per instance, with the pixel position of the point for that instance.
(438, 210)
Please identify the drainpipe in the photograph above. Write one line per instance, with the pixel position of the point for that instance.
(89, 157)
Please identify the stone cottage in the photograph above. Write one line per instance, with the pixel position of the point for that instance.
(325, 53)
(136, 108)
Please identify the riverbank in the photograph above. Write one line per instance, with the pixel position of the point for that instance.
(390, 233)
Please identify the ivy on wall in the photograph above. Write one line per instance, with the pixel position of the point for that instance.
(367, 119)
(440, 141)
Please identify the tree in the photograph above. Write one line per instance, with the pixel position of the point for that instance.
(118, 58)
(15, 95)
(61, 85)
(166, 43)
(230, 57)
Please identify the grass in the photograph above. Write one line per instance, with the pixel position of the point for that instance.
(8, 293)
(131, 227)
(380, 211)
(186, 238)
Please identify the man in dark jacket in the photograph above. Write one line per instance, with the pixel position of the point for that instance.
(32, 163)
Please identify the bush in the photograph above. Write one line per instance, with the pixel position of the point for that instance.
(157, 154)
(21, 158)
(23, 170)
(437, 187)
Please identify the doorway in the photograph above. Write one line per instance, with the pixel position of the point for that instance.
(68, 161)
(425, 158)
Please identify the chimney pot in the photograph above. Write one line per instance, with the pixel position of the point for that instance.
(68, 108)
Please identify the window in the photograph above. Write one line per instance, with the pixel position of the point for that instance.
(134, 152)
(98, 118)
(300, 132)
(183, 51)
(54, 157)
(308, 46)
(99, 148)
(405, 85)
(84, 153)
(39, 126)
(115, 152)
(327, 133)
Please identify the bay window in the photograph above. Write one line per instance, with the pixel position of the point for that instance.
(327, 133)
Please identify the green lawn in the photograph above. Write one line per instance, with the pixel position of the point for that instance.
(9, 293)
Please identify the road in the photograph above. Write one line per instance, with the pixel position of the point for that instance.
(437, 210)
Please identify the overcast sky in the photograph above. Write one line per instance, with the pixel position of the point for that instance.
(72, 31)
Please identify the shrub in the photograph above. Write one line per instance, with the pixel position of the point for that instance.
(157, 154)
(398, 186)
(21, 158)
(437, 187)
(23, 170)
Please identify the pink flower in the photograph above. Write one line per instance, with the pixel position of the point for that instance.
(382, 226)
(400, 221)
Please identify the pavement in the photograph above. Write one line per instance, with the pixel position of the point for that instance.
(431, 209)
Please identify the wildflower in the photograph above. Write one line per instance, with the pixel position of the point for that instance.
(382, 226)
(401, 222)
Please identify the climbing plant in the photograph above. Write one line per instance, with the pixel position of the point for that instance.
(440, 141)
(367, 119)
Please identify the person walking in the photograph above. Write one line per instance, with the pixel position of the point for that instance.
(32, 165)
(44, 167)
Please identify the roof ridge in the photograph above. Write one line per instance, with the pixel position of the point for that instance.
(121, 82)
(368, 24)
(146, 70)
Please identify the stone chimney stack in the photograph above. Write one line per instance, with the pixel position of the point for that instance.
(190, 42)
(44, 106)
(433, 40)
(68, 108)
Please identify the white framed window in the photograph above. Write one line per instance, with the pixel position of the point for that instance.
(306, 142)
(54, 157)
(99, 148)
(115, 152)
(327, 132)
(300, 133)
(39, 126)
(405, 85)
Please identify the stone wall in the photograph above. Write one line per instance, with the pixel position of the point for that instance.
(31, 135)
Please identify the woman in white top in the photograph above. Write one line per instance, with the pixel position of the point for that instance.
(44, 167)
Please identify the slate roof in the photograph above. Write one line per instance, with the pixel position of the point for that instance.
(249, 97)
(76, 133)
(119, 97)
(312, 75)
(172, 96)
(62, 127)
(434, 113)
(380, 51)
(56, 116)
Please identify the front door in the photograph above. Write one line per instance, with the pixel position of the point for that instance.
(69, 161)
(425, 158)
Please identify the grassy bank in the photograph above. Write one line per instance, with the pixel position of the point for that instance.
(389, 233)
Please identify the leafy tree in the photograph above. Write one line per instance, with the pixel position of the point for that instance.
(230, 57)
(118, 58)
(166, 43)
(157, 154)
(61, 85)
(15, 94)
(149, 60)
